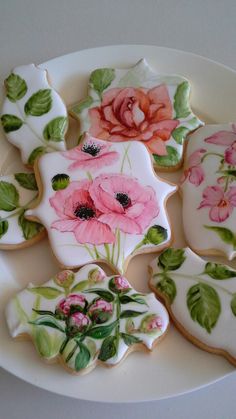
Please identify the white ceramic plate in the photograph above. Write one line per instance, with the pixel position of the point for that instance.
(175, 366)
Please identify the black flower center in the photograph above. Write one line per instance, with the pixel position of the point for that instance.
(84, 213)
(123, 199)
(91, 149)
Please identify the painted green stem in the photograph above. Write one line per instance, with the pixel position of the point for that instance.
(211, 154)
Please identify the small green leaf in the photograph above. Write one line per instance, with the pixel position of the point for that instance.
(43, 312)
(130, 339)
(204, 305)
(60, 181)
(30, 229)
(27, 181)
(130, 313)
(3, 227)
(11, 122)
(82, 358)
(219, 271)
(38, 151)
(106, 295)
(55, 129)
(171, 159)
(83, 104)
(171, 259)
(181, 100)
(49, 322)
(179, 134)
(101, 78)
(80, 286)
(49, 293)
(233, 305)
(108, 348)
(125, 299)
(16, 87)
(101, 332)
(156, 235)
(43, 342)
(9, 196)
(39, 103)
(225, 234)
(167, 287)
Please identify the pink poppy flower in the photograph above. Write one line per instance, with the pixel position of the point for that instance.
(195, 172)
(73, 300)
(135, 114)
(78, 214)
(92, 154)
(226, 138)
(124, 203)
(221, 204)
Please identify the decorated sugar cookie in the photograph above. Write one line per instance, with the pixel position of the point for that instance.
(209, 191)
(86, 318)
(34, 116)
(17, 193)
(201, 298)
(139, 104)
(102, 201)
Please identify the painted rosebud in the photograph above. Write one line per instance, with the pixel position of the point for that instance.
(119, 284)
(151, 324)
(72, 303)
(78, 323)
(95, 276)
(64, 278)
(155, 235)
(100, 311)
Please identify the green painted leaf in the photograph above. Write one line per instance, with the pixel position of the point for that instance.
(181, 100)
(30, 229)
(43, 312)
(55, 130)
(156, 235)
(204, 305)
(39, 103)
(171, 259)
(129, 325)
(228, 173)
(82, 358)
(108, 348)
(16, 87)
(167, 287)
(218, 271)
(130, 313)
(11, 122)
(225, 234)
(49, 293)
(179, 134)
(83, 104)
(233, 305)
(27, 181)
(101, 332)
(106, 295)
(38, 151)
(60, 181)
(171, 159)
(101, 78)
(80, 286)
(3, 227)
(130, 339)
(9, 196)
(43, 342)
(125, 299)
(49, 322)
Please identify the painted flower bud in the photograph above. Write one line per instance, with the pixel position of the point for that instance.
(95, 276)
(119, 284)
(60, 181)
(100, 311)
(156, 235)
(78, 323)
(72, 303)
(151, 323)
(64, 278)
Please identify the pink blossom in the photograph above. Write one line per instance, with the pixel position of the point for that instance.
(78, 214)
(64, 278)
(100, 311)
(78, 322)
(121, 283)
(135, 114)
(96, 275)
(225, 138)
(73, 300)
(101, 305)
(151, 323)
(92, 154)
(195, 172)
(221, 204)
(124, 203)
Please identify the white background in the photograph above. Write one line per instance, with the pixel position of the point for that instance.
(37, 30)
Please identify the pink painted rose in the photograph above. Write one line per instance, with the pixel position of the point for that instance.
(121, 283)
(96, 275)
(124, 203)
(226, 138)
(64, 278)
(135, 114)
(78, 214)
(151, 323)
(72, 302)
(92, 154)
(195, 172)
(78, 323)
(221, 204)
(100, 311)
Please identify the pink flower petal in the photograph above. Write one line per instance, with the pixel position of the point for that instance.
(196, 157)
(225, 138)
(212, 196)
(157, 146)
(159, 96)
(124, 223)
(94, 232)
(65, 225)
(220, 214)
(196, 175)
(231, 195)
